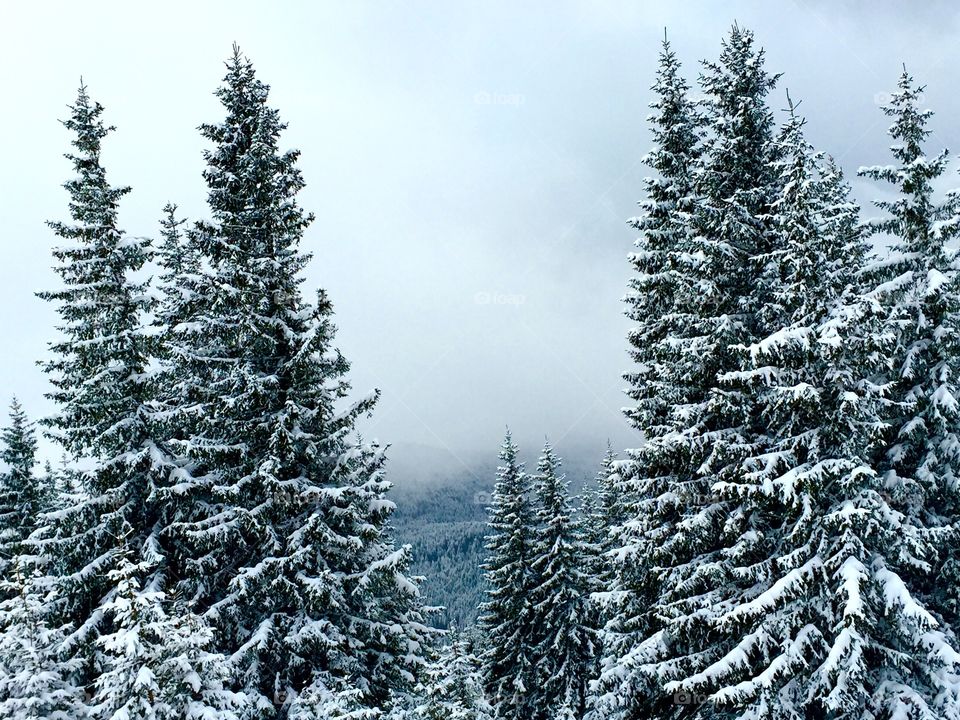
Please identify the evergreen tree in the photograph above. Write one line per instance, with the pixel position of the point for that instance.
(102, 382)
(601, 512)
(799, 631)
(36, 682)
(564, 647)
(100, 305)
(289, 553)
(23, 494)
(666, 379)
(180, 278)
(667, 258)
(451, 688)
(919, 287)
(506, 618)
(181, 286)
(158, 666)
(696, 417)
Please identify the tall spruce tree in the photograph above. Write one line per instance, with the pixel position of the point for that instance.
(812, 630)
(671, 560)
(24, 495)
(919, 289)
(564, 646)
(101, 374)
(661, 300)
(919, 286)
(667, 257)
(506, 618)
(289, 553)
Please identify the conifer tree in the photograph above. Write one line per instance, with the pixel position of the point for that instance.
(667, 259)
(36, 681)
(920, 289)
(673, 539)
(789, 640)
(181, 286)
(564, 647)
(23, 494)
(100, 305)
(158, 666)
(289, 554)
(665, 380)
(179, 280)
(101, 375)
(506, 618)
(600, 513)
(452, 686)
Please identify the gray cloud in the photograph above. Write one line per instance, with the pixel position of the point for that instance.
(471, 167)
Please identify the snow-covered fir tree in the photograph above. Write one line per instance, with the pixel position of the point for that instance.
(452, 687)
(667, 258)
(506, 618)
(662, 301)
(24, 494)
(601, 511)
(919, 286)
(36, 681)
(564, 649)
(289, 555)
(819, 615)
(158, 665)
(100, 371)
(179, 278)
(716, 232)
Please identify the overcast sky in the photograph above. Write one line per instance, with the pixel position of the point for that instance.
(471, 166)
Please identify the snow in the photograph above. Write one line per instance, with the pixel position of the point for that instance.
(899, 599)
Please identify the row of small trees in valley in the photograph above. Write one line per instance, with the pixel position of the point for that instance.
(782, 544)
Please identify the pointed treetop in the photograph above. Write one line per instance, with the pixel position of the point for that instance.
(548, 458)
(16, 409)
(792, 106)
(508, 450)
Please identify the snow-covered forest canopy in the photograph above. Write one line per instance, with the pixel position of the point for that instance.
(217, 539)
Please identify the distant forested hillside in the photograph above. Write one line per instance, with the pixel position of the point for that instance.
(442, 513)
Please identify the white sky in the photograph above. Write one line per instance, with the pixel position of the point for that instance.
(455, 153)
